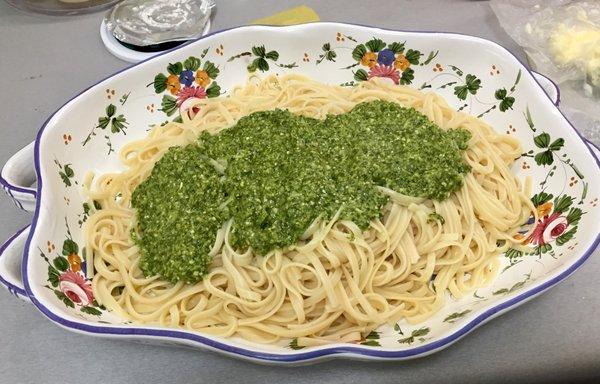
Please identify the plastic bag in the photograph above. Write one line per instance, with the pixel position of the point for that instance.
(562, 41)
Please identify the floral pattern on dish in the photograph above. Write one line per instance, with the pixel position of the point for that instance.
(67, 279)
(186, 82)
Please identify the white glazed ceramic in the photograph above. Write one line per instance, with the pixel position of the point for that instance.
(473, 74)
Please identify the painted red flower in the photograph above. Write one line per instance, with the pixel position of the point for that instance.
(187, 97)
(188, 93)
(548, 228)
(385, 71)
(76, 288)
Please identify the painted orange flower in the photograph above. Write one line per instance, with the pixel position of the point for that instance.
(522, 239)
(544, 209)
(401, 62)
(173, 84)
(202, 78)
(369, 59)
(74, 262)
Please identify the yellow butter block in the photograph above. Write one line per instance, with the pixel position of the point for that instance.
(298, 15)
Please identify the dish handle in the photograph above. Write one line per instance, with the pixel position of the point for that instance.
(11, 259)
(17, 178)
(548, 86)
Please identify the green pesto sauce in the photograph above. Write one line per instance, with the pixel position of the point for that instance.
(274, 173)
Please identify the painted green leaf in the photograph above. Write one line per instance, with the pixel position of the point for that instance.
(565, 237)
(457, 70)
(544, 158)
(175, 68)
(69, 171)
(541, 198)
(562, 203)
(359, 52)
(65, 179)
(361, 75)
(61, 263)
(512, 253)
(372, 335)
(213, 90)
(461, 92)
(455, 316)
(517, 286)
(415, 333)
(512, 89)
(413, 56)
(529, 119)
(326, 47)
(371, 343)
(397, 328)
(110, 110)
(507, 103)
(192, 63)
(500, 291)
(91, 311)
(253, 65)
(259, 51)
(262, 64)
(396, 47)
(97, 205)
(432, 55)
(168, 105)
(557, 144)
(294, 345)
(69, 247)
(473, 83)
(86, 209)
(211, 70)
(544, 248)
(62, 297)
(103, 122)
(375, 45)
(542, 140)
(53, 275)
(420, 332)
(500, 94)
(408, 75)
(574, 216)
(330, 55)
(102, 307)
(160, 83)
(273, 55)
(118, 124)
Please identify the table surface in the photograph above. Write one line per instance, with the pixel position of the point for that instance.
(46, 60)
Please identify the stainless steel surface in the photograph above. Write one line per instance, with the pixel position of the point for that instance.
(44, 61)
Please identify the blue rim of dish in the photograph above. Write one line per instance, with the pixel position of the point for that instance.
(346, 351)
(18, 291)
(554, 85)
(11, 187)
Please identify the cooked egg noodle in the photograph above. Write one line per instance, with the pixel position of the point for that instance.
(338, 283)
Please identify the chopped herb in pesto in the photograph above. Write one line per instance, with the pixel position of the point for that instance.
(274, 173)
(434, 216)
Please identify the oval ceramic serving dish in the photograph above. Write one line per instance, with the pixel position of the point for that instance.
(474, 75)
